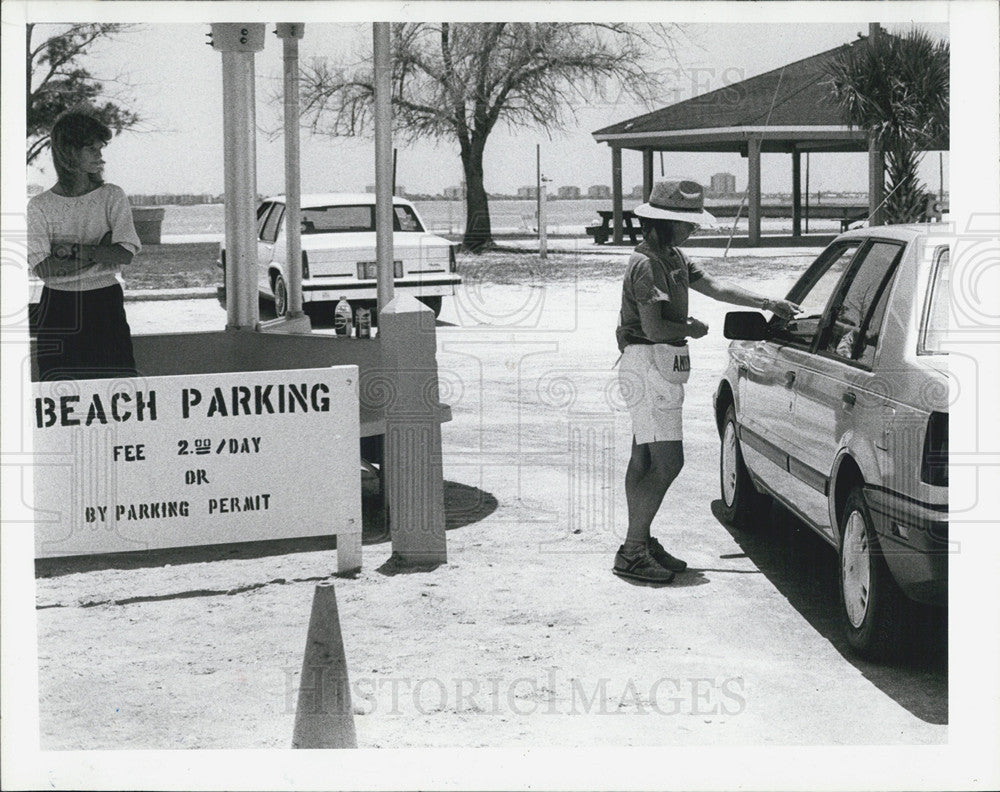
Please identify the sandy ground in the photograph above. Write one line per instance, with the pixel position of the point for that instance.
(524, 637)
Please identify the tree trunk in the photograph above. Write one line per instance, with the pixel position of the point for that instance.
(478, 233)
(906, 202)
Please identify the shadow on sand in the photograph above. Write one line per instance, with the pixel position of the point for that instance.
(805, 570)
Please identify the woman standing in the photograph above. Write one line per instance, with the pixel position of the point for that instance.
(652, 333)
(80, 235)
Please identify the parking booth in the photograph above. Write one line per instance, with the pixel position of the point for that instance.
(253, 432)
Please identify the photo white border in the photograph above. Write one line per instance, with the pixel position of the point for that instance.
(969, 760)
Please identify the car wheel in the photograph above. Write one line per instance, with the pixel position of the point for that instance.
(742, 505)
(434, 303)
(873, 608)
(280, 291)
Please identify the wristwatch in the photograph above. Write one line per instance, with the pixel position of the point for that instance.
(65, 251)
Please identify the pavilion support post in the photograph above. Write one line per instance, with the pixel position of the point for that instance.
(616, 194)
(876, 183)
(796, 193)
(647, 174)
(753, 167)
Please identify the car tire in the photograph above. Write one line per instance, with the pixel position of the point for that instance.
(742, 505)
(280, 291)
(873, 608)
(434, 303)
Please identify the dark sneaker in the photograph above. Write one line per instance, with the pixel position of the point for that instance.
(663, 558)
(640, 566)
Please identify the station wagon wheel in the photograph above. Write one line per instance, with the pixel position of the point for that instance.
(873, 609)
(742, 505)
(280, 291)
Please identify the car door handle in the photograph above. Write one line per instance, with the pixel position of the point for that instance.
(789, 378)
(849, 398)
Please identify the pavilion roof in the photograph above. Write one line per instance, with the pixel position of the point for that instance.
(791, 107)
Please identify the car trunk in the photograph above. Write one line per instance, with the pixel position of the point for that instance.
(420, 253)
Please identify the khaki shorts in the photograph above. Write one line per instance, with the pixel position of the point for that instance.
(654, 403)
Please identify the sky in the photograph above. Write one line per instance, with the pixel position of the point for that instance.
(174, 81)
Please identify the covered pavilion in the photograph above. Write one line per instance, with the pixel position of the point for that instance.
(787, 110)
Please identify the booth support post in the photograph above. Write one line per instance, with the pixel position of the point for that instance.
(290, 33)
(383, 165)
(238, 42)
(412, 465)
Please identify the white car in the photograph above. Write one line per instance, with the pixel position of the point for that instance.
(338, 252)
(841, 414)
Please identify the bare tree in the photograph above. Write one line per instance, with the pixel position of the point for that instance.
(459, 81)
(56, 82)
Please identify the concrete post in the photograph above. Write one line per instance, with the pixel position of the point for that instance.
(796, 193)
(753, 162)
(385, 286)
(616, 194)
(413, 467)
(238, 42)
(647, 174)
(290, 33)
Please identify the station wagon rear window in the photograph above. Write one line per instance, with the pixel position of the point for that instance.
(353, 219)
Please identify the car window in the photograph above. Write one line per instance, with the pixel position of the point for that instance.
(405, 219)
(269, 233)
(338, 219)
(935, 319)
(262, 211)
(852, 329)
(812, 293)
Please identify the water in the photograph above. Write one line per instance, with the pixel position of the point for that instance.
(207, 221)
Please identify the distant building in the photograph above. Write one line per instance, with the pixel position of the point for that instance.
(527, 192)
(568, 193)
(722, 184)
(165, 199)
(454, 193)
(599, 191)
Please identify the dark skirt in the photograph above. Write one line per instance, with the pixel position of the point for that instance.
(83, 335)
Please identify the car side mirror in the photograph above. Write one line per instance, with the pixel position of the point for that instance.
(745, 326)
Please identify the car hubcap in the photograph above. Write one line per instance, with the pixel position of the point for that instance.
(729, 464)
(856, 571)
(280, 297)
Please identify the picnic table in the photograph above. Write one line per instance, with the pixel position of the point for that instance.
(602, 233)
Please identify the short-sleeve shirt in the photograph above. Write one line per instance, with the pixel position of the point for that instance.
(82, 220)
(672, 273)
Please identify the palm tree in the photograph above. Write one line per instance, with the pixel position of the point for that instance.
(896, 89)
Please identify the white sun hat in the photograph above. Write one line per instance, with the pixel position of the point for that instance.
(681, 200)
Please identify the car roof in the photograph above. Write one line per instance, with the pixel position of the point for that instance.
(334, 199)
(903, 232)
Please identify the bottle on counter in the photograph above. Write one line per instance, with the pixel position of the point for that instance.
(343, 317)
(364, 323)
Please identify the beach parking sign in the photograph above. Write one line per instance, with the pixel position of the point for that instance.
(143, 463)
